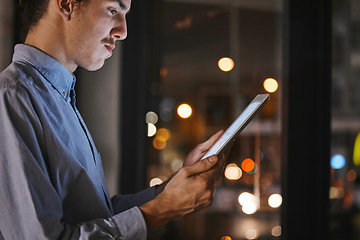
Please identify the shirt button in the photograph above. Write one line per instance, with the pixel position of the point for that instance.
(64, 93)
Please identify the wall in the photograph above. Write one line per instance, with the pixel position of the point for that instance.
(97, 96)
(98, 101)
(6, 32)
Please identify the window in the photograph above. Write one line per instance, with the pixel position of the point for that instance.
(345, 140)
(194, 36)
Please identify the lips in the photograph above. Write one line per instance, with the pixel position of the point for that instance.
(110, 48)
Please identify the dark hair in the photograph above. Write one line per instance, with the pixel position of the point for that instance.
(31, 11)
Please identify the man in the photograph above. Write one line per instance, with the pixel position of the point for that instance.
(51, 179)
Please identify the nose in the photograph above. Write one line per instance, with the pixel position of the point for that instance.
(119, 32)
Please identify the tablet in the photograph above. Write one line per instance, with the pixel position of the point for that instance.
(238, 125)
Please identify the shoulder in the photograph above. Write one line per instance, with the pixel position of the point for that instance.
(20, 78)
(13, 76)
(16, 88)
(9, 76)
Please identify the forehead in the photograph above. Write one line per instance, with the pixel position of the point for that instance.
(123, 4)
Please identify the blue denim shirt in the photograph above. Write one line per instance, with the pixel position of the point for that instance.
(52, 184)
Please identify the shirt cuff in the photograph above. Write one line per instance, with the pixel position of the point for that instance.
(131, 224)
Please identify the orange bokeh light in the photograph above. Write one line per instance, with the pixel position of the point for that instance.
(351, 175)
(159, 143)
(248, 165)
(225, 238)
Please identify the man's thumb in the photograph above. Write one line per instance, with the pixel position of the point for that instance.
(203, 165)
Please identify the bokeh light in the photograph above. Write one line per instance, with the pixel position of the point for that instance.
(233, 172)
(184, 110)
(351, 175)
(248, 165)
(167, 106)
(163, 72)
(276, 231)
(336, 193)
(248, 203)
(338, 161)
(226, 64)
(159, 143)
(151, 117)
(270, 85)
(250, 208)
(356, 151)
(151, 129)
(275, 200)
(245, 197)
(176, 165)
(163, 132)
(225, 238)
(254, 169)
(155, 181)
(251, 234)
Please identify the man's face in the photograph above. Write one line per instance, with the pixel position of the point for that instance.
(93, 28)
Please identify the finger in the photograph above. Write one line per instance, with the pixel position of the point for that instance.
(205, 146)
(200, 150)
(202, 166)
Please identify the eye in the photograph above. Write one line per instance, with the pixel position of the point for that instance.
(112, 10)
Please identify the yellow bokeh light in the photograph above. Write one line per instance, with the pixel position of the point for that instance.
(155, 181)
(271, 85)
(356, 151)
(151, 129)
(184, 110)
(226, 64)
(163, 132)
(233, 172)
(159, 143)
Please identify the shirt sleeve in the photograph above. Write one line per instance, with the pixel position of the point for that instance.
(128, 225)
(123, 202)
(30, 207)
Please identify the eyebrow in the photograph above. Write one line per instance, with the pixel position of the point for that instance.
(121, 4)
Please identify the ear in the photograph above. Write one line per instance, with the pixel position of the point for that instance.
(65, 7)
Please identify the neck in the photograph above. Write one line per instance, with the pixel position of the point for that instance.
(49, 38)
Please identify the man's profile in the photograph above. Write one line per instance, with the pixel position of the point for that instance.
(52, 183)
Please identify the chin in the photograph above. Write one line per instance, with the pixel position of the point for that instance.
(94, 67)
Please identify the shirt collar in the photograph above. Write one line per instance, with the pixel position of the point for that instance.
(53, 71)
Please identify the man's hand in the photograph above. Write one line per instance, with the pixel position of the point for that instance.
(190, 189)
(196, 154)
(199, 151)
